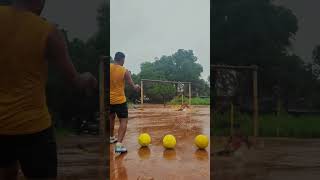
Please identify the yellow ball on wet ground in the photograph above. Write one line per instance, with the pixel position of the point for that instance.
(144, 139)
(169, 141)
(201, 141)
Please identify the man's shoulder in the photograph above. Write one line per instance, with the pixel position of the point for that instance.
(117, 66)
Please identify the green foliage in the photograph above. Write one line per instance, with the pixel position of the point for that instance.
(270, 125)
(65, 102)
(161, 92)
(181, 66)
(247, 32)
(254, 31)
(316, 54)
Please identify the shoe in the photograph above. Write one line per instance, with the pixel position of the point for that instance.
(120, 148)
(113, 139)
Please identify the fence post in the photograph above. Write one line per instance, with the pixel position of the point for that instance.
(190, 93)
(231, 119)
(102, 122)
(141, 98)
(255, 101)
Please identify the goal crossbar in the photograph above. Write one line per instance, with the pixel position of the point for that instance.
(163, 81)
(173, 82)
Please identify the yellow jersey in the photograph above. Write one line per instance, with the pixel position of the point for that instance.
(23, 72)
(117, 84)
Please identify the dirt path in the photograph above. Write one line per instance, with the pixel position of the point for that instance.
(278, 159)
(185, 162)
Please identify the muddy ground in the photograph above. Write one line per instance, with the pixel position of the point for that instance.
(272, 159)
(79, 158)
(185, 162)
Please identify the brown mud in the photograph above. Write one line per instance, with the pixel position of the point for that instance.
(79, 158)
(185, 162)
(272, 159)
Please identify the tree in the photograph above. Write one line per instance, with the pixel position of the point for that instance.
(316, 54)
(181, 66)
(65, 103)
(163, 91)
(247, 32)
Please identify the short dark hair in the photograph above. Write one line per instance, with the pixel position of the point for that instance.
(119, 56)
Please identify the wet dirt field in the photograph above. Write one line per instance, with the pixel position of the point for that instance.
(79, 158)
(273, 159)
(185, 162)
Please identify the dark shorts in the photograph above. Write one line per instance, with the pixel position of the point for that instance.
(36, 153)
(121, 110)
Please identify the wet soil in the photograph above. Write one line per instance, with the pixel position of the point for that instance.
(80, 158)
(185, 162)
(272, 159)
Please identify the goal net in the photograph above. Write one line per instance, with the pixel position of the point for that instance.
(233, 101)
(165, 92)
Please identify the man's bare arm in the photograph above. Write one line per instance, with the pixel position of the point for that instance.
(130, 81)
(57, 54)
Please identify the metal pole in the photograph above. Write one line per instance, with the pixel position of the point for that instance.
(233, 67)
(255, 101)
(182, 99)
(174, 82)
(231, 119)
(141, 98)
(102, 122)
(190, 93)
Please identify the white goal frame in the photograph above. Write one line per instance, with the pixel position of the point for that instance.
(161, 81)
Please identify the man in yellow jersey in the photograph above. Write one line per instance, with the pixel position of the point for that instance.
(118, 102)
(27, 44)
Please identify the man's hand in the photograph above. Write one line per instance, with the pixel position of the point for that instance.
(87, 82)
(136, 87)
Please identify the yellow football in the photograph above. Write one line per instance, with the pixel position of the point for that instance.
(169, 141)
(144, 139)
(201, 141)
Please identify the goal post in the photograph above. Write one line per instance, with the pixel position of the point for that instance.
(255, 109)
(103, 62)
(142, 83)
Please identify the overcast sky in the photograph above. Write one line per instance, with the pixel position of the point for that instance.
(76, 16)
(308, 14)
(145, 29)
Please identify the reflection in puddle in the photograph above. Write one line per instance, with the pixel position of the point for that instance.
(201, 154)
(169, 154)
(144, 153)
(120, 171)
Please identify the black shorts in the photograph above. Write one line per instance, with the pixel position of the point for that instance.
(36, 153)
(121, 110)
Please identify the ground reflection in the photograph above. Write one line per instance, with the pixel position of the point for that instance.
(169, 154)
(144, 153)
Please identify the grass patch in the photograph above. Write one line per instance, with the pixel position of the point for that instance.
(63, 132)
(130, 105)
(270, 125)
(194, 101)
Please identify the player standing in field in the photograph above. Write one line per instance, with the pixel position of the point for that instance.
(29, 44)
(118, 102)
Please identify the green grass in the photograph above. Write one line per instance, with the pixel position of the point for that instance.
(62, 132)
(194, 101)
(271, 125)
(130, 105)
